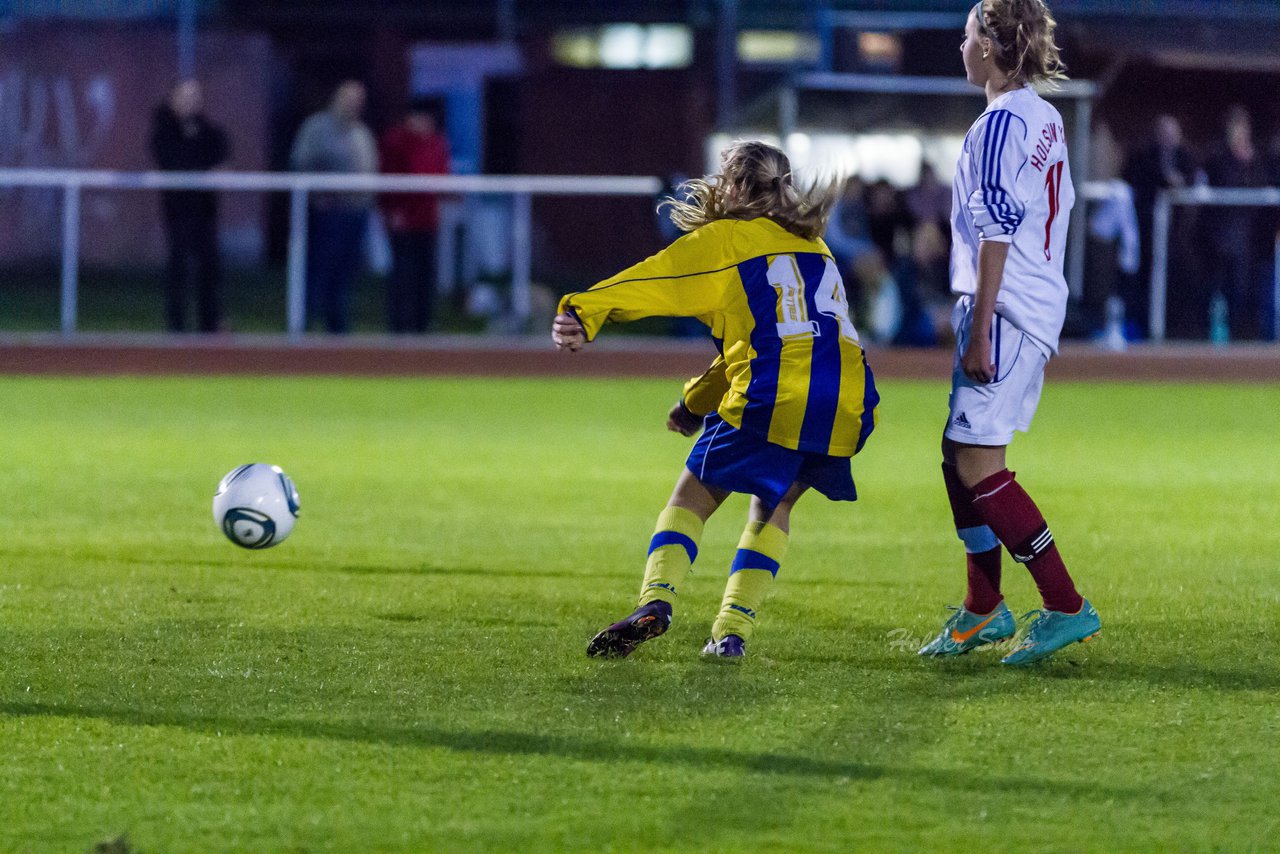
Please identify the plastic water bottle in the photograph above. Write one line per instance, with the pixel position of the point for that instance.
(1219, 332)
(1113, 334)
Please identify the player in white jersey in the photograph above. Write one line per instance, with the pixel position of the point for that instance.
(1010, 206)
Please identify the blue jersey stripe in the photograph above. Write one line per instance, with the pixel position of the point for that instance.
(995, 194)
(1011, 220)
(1003, 204)
(762, 391)
(824, 363)
(870, 400)
(997, 127)
(996, 347)
(988, 143)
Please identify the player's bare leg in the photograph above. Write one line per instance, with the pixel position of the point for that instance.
(760, 553)
(974, 463)
(672, 551)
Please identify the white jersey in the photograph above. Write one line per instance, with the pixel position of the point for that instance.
(1013, 185)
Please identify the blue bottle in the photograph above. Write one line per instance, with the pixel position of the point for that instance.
(1219, 331)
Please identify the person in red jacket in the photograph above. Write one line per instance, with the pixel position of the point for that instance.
(413, 146)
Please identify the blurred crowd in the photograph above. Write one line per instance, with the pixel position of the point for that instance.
(893, 247)
(1221, 259)
(892, 244)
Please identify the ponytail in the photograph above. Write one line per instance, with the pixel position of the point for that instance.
(1022, 37)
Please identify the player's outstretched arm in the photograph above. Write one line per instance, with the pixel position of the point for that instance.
(687, 279)
(567, 333)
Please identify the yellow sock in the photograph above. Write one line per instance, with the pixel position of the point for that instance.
(672, 551)
(760, 552)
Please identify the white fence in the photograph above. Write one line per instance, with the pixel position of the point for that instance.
(520, 188)
(1161, 222)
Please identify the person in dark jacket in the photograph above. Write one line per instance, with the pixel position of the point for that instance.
(184, 140)
(1234, 232)
(414, 146)
(1164, 163)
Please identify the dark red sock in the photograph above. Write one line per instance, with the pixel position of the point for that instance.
(1016, 520)
(984, 581)
(984, 566)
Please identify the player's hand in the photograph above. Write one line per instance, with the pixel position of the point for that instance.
(976, 361)
(681, 420)
(567, 333)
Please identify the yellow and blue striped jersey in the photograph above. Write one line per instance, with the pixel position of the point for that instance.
(791, 369)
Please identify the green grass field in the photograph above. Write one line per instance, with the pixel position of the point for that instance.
(407, 672)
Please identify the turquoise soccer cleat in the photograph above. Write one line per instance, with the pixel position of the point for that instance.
(1052, 630)
(965, 631)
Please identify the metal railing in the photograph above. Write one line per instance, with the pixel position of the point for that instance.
(299, 186)
(1161, 222)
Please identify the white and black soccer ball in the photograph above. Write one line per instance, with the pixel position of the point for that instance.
(256, 506)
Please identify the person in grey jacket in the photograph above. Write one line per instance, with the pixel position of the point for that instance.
(336, 140)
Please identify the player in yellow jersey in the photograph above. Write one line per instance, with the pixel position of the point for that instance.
(783, 408)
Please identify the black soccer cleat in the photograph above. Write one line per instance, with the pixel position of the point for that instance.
(644, 623)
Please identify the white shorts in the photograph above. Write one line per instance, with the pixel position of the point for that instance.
(989, 413)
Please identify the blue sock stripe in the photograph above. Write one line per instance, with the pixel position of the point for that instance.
(748, 559)
(674, 538)
(978, 540)
(733, 606)
(662, 585)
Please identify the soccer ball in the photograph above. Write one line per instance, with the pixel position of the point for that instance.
(256, 506)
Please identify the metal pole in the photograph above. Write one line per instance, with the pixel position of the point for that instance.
(1079, 174)
(186, 39)
(1161, 218)
(296, 293)
(507, 21)
(70, 257)
(1275, 293)
(727, 64)
(827, 40)
(788, 112)
(521, 252)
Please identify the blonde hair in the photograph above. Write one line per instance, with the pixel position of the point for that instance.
(1021, 33)
(755, 180)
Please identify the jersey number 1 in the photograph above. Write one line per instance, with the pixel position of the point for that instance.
(793, 311)
(1053, 185)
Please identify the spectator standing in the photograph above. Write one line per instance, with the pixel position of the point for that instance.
(336, 140)
(886, 218)
(414, 146)
(929, 201)
(871, 289)
(1236, 162)
(848, 234)
(184, 140)
(1163, 163)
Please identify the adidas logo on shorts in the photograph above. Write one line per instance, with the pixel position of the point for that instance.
(961, 421)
